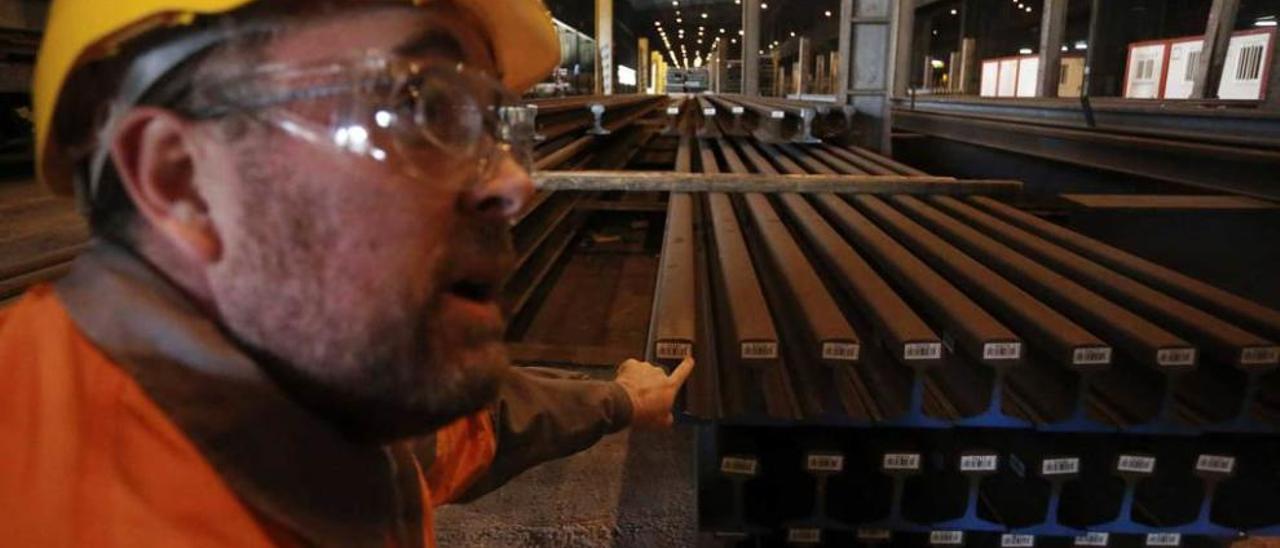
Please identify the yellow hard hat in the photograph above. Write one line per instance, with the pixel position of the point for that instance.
(524, 40)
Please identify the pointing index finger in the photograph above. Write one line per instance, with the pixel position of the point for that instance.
(682, 371)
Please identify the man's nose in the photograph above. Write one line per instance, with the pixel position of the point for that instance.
(503, 194)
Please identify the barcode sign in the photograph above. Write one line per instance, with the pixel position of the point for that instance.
(847, 352)
(946, 538)
(1058, 467)
(922, 351)
(1002, 351)
(874, 534)
(804, 536)
(738, 466)
(1136, 464)
(1176, 356)
(901, 461)
(777, 114)
(824, 463)
(1216, 463)
(672, 350)
(1164, 539)
(708, 112)
(1093, 539)
(1098, 355)
(759, 350)
(672, 111)
(1260, 355)
(978, 463)
(1192, 61)
(1250, 65)
(737, 110)
(1017, 541)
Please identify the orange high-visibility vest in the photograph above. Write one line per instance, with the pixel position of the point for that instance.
(88, 459)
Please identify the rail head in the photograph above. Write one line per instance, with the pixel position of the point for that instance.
(736, 183)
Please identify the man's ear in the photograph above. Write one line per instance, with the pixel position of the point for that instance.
(154, 151)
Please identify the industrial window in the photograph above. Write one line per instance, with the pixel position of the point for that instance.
(1250, 65)
(1192, 61)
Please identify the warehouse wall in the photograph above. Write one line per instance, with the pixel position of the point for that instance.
(23, 14)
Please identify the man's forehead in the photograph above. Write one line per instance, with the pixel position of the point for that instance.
(437, 30)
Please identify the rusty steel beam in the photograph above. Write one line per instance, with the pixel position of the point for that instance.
(1219, 339)
(732, 181)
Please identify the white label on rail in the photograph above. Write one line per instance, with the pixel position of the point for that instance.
(874, 534)
(1176, 356)
(777, 114)
(737, 110)
(708, 112)
(1002, 351)
(818, 462)
(1093, 539)
(978, 463)
(738, 466)
(1221, 464)
(1059, 467)
(804, 536)
(847, 352)
(759, 350)
(1136, 464)
(922, 351)
(946, 538)
(1164, 539)
(672, 111)
(1094, 355)
(1017, 541)
(672, 350)
(901, 461)
(1260, 355)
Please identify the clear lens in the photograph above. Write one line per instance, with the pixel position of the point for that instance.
(420, 118)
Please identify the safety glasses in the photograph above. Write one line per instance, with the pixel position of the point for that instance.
(416, 116)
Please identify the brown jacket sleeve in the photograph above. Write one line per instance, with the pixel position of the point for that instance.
(545, 414)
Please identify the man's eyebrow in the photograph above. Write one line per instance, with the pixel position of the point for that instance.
(431, 42)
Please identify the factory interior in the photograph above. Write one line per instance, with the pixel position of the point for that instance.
(986, 273)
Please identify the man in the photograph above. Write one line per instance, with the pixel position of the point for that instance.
(285, 331)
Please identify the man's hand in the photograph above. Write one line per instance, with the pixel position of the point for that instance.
(652, 391)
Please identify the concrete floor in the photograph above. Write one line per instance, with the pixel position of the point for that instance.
(631, 489)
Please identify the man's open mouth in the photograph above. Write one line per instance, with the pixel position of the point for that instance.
(480, 291)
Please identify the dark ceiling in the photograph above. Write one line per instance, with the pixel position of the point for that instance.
(636, 18)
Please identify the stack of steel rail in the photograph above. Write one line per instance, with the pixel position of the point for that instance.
(577, 133)
(39, 236)
(932, 308)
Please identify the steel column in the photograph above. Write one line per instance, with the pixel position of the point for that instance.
(1053, 26)
(751, 47)
(1217, 36)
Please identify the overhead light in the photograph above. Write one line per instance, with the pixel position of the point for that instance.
(1065, 48)
(1082, 45)
(733, 40)
(935, 32)
(827, 13)
(675, 3)
(704, 15)
(793, 34)
(1025, 51)
(937, 63)
(739, 32)
(737, 2)
(764, 6)
(1028, 9)
(953, 11)
(679, 20)
(1265, 21)
(721, 30)
(761, 52)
